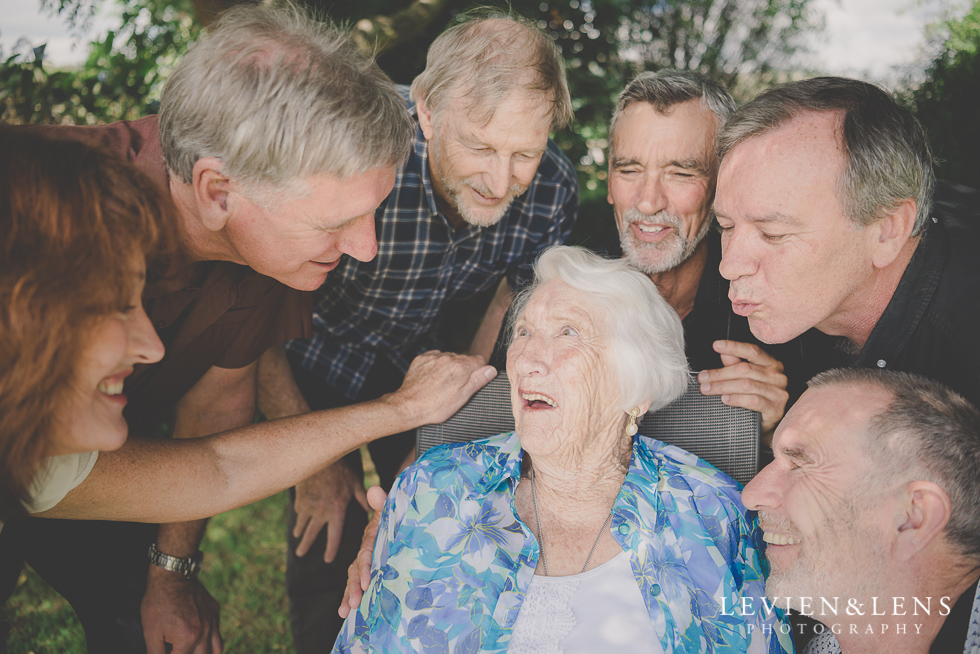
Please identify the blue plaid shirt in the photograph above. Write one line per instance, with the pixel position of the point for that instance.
(391, 305)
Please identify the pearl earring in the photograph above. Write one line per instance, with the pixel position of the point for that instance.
(631, 428)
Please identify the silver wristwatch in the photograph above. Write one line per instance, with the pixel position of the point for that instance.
(189, 566)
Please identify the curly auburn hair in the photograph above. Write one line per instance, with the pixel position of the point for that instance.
(72, 219)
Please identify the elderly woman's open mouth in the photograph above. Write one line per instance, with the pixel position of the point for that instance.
(537, 400)
(572, 533)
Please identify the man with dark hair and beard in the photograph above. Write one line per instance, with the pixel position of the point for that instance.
(662, 172)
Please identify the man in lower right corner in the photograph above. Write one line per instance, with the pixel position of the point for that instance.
(871, 512)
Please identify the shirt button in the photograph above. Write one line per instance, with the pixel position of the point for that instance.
(935, 220)
(881, 363)
(624, 529)
(655, 589)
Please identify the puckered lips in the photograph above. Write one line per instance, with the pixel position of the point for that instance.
(742, 306)
(536, 401)
(650, 232)
(112, 387)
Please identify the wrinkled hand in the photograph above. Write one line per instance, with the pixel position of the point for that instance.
(359, 572)
(751, 379)
(322, 501)
(438, 383)
(180, 612)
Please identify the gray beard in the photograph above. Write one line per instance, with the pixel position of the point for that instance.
(847, 562)
(454, 190)
(655, 258)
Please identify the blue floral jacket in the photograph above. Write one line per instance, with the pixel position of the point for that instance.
(453, 560)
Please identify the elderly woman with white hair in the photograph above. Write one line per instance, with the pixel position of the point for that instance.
(573, 533)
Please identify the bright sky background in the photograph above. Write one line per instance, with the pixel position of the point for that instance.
(877, 39)
(874, 39)
(23, 18)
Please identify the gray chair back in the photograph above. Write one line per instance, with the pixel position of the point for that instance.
(726, 437)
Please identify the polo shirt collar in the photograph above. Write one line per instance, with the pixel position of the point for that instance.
(909, 302)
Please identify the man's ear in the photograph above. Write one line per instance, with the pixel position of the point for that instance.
(925, 510)
(892, 233)
(211, 193)
(425, 119)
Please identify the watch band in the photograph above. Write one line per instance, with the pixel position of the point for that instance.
(188, 566)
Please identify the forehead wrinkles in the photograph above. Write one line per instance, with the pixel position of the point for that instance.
(556, 302)
(466, 104)
(558, 311)
(686, 135)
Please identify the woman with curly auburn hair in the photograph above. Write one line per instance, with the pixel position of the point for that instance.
(77, 228)
(77, 225)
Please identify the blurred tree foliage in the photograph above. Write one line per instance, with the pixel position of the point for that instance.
(121, 77)
(948, 101)
(743, 43)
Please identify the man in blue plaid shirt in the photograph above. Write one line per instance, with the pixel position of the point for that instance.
(483, 192)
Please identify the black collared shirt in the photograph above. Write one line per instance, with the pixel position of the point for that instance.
(930, 325)
(930, 328)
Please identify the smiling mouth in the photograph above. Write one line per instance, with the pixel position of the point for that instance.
(780, 539)
(113, 385)
(486, 199)
(650, 232)
(536, 400)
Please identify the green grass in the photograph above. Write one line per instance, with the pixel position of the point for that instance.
(244, 564)
(41, 621)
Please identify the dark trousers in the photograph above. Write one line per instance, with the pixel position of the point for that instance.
(316, 588)
(99, 567)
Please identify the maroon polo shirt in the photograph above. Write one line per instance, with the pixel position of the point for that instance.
(211, 313)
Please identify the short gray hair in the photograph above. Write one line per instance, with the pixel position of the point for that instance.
(926, 432)
(886, 152)
(647, 340)
(279, 97)
(487, 54)
(665, 88)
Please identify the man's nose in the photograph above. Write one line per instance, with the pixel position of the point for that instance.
(737, 258)
(651, 198)
(358, 239)
(764, 490)
(500, 176)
